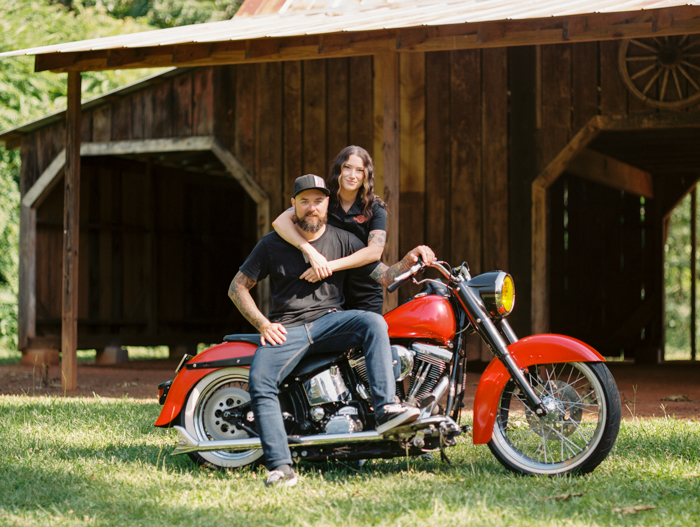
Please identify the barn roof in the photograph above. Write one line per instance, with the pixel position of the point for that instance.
(275, 20)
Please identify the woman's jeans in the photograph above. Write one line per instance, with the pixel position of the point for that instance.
(337, 331)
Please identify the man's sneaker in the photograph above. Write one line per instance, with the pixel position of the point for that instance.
(277, 478)
(395, 415)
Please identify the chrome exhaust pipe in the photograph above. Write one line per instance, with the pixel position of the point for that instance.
(186, 443)
(429, 402)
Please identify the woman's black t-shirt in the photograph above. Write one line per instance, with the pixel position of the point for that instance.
(361, 292)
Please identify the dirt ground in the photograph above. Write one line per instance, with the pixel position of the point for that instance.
(646, 391)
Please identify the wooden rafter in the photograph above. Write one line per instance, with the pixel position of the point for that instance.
(575, 28)
(597, 167)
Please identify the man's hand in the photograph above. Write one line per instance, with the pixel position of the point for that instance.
(273, 333)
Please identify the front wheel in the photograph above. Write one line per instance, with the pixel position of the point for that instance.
(216, 393)
(578, 431)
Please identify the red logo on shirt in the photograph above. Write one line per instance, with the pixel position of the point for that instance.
(360, 219)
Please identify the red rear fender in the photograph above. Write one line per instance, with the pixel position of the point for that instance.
(186, 379)
(538, 349)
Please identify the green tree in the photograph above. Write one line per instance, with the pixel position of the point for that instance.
(25, 95)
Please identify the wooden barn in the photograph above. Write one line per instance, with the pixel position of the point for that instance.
(551, 140)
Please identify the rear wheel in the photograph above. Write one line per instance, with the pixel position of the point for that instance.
(216, 393)
(578, 431)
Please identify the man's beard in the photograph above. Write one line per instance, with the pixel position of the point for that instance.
(313, 227)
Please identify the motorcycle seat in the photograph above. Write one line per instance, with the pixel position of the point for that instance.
(250, 338)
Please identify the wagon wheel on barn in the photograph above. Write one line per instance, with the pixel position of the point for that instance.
(664, 72)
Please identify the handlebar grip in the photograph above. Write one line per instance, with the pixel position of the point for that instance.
(394, 286)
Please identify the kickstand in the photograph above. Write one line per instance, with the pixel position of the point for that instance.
(443, 456)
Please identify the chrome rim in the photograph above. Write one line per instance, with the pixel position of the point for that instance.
(567, 435)
(203, 418)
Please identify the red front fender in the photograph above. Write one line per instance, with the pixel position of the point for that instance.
(186, 379)
(538, 349)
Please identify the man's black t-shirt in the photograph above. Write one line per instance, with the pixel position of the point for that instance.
(296, 301)
(361, 292)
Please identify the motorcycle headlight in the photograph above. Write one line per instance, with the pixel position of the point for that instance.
(497, 291)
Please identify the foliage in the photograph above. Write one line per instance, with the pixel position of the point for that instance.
(25, 95)
(101, 462)
(164, 13)
(678, 278)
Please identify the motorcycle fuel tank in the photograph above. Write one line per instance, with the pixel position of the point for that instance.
(426, 317)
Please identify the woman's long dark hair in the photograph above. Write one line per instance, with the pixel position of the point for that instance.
(366, 191)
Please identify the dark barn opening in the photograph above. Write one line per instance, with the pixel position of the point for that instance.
(161, 236)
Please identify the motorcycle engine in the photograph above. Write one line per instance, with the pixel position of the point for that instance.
(345, 421)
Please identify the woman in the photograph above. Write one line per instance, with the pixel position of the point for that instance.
(356, 208)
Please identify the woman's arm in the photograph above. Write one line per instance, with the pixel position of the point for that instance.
(369, 254)
(284, 226)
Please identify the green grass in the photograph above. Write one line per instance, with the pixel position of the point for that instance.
(66, 461)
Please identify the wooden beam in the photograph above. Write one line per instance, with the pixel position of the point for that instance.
(46, 182)
(386, 76)
(71, 224)
(148, 146)
(608, 171)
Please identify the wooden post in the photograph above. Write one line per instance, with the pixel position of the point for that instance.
(27, 278)
(71, 223)
(386, 78)
(693, 268)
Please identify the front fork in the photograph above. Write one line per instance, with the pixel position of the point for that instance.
(498, 338)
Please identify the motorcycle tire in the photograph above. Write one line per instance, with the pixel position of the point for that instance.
(201, 416)
(577, 433)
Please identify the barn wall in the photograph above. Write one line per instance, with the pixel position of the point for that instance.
(476, 128)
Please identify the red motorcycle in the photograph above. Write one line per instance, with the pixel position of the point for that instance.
(546, 404)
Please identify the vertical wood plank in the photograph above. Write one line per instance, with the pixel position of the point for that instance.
(162, 125)
(224, 97)
(314, 108)
(377, 129)
(585, 83)
(386, 73)
(26, 298)
(268, 165)
(292, 128)
(337, 108)
(412, 156)
(102, 124)
(71, 238)
(203, 91)
(360, 103)
(106, 178)
(121, 119)
(182, 106)
(438, 154)
(522, 168)
(138, 115)
(495, 157)
(148, 113)
(556, 96)
(246, 89)
(466, 183)
(613, 94)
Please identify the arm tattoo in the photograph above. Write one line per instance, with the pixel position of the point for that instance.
(385, 275)
(379, 239)
(239, 293)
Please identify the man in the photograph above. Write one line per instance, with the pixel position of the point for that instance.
(307, 317)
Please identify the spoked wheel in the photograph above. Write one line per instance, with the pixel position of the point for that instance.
(578, 431)
(222, 391)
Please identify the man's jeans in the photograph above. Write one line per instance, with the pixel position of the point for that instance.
(336, 331)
